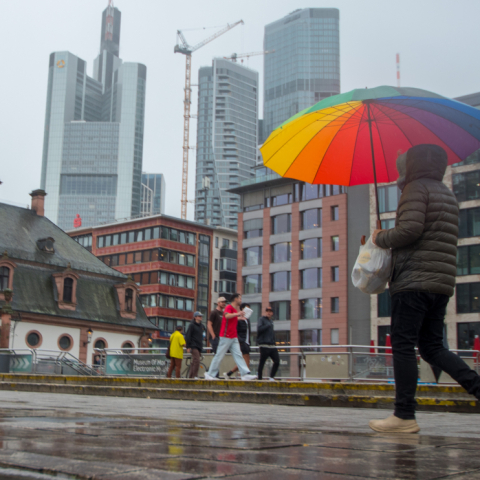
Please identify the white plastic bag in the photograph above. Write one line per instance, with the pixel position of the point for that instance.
(372, 268)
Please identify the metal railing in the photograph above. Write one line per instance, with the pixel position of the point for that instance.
(347, 363)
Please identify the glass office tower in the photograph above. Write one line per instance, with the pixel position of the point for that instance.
(226, 139)
(93, 141)
(305, 67)
(153, 194)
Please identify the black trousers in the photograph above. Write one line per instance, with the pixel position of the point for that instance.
(265, 353)
(417, 319)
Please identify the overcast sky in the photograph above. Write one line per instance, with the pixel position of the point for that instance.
(438, 41)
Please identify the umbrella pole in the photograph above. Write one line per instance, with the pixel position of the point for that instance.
(379, 223)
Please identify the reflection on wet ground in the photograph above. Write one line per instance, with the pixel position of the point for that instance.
(63, 436)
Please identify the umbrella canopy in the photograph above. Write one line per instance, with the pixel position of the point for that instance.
(338, 140)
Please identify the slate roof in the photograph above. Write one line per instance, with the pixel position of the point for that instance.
(20, 228)
(34, 288)
(34, 291)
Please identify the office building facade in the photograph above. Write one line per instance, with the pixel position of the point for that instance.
(226, 139)
(305, 65)
(153, 194)
(93, 141)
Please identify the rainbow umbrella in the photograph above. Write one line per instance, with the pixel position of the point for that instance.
(354, 138)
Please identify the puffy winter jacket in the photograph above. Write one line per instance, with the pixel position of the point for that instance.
(194, 336)
(424, 239)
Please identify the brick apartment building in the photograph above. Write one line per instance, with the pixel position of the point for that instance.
(294, 244)
(171, 260)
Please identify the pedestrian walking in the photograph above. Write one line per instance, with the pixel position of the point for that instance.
(194, 342)
(266, 342)
(424, 266)
(243, 335)
(229, 341)
(176, 352)
(215, 322)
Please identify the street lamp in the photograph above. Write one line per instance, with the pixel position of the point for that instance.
(89, 337)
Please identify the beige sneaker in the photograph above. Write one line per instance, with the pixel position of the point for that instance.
(393, 424)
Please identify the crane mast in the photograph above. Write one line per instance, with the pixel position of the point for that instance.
(184, 48)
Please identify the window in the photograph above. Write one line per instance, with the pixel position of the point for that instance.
(470, 160)
(225, 243)
(335, 304)
(127, 347)
(67, 290)
(216, 264)
(234, 245)
(216, 242)
(100, 344)
(335, 274)
(281, 310)
(311, 308)
(468, 260)
(4, 277)
(388, 224)
(311, 248)
(384, 304)
(215, 286)
(33, 339)
(335, 213)
(228, 264)
(129, 300)
(468, 297)
(469, 222)
(280, 281)
(282, 199)
(311, 278)
(466, 186)
(310, 192)
(252, 256)
(335, 243)
(466, 333)
(282, 223)
(311, 218)
(388, 198)
(252, 284)
(334, 336)
(382, 332)
(65, 342)
(253, 228)
(311, 337)
(281, 252)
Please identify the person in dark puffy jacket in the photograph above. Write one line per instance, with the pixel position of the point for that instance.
(424, 266)
(194, 342)
(266, 342)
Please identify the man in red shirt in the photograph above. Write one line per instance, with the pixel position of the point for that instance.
(229, 341)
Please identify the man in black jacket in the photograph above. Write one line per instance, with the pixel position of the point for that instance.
(194, 342)
(266, 342)
(424, 266)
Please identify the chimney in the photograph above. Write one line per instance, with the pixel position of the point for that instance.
(38, 201)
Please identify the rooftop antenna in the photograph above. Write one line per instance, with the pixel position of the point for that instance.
(398, 70)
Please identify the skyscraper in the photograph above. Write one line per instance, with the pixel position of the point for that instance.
(93, 141)
(226, 139)
(153, 194)
(305, 67)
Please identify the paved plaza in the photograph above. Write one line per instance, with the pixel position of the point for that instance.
(46, 436)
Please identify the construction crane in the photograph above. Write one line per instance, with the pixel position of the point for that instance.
(234, 56)
(185, 49)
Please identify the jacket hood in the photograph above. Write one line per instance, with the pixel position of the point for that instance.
(426, 161)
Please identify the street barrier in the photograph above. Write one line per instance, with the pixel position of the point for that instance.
(346, 363)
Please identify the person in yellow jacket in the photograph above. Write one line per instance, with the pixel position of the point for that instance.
(176, 352)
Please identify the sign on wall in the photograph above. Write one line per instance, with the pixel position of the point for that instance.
(21, 363)
(136, 365)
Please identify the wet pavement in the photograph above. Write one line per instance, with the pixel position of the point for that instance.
(44, 436)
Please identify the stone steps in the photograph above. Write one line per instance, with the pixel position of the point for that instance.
(364, 395)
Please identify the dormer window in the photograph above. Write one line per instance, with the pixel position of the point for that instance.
(68, 289)
(66, 283)
(46, 245)
(129, 300)
(4, 278)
